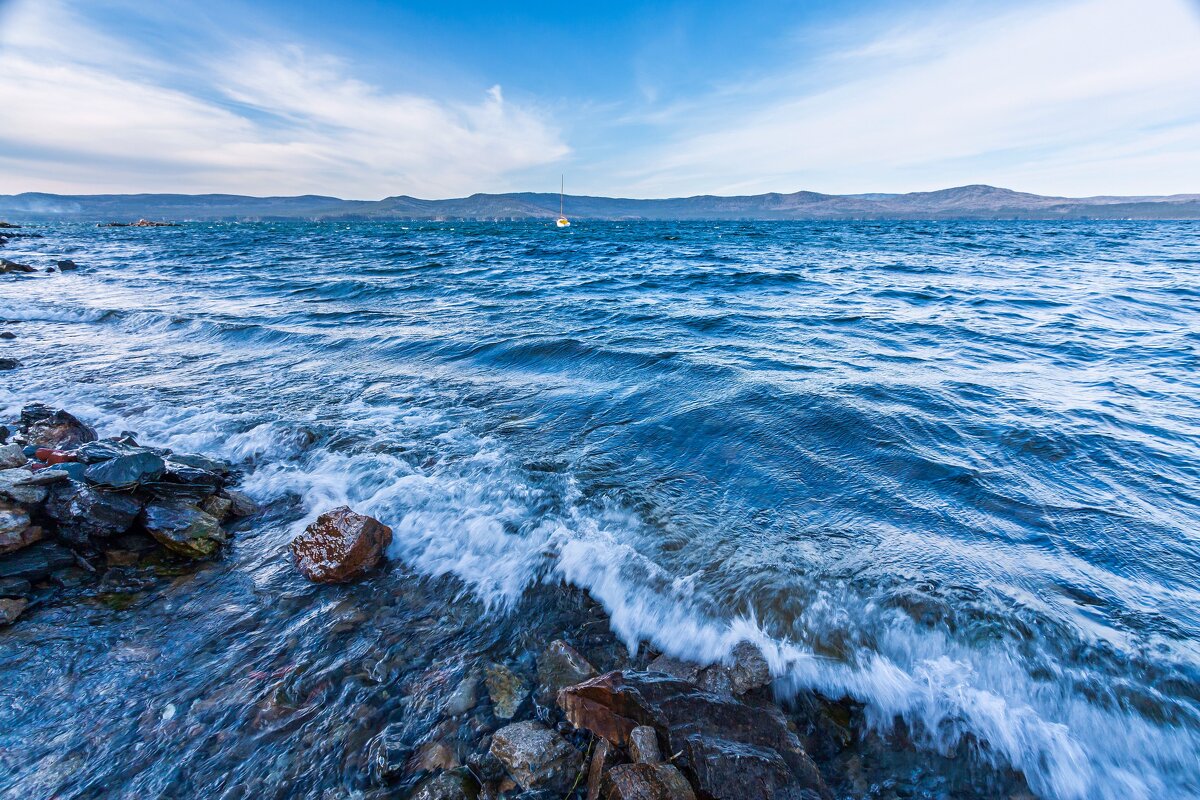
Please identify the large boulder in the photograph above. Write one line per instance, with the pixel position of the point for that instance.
(86, 513)
(646, 782)
(183, 529)
(44, 426)
(537, 757)
(728, 748)
(340, 546)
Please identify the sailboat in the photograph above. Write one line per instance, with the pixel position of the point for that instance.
(562, 221)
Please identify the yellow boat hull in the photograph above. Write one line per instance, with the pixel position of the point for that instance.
(562, 222)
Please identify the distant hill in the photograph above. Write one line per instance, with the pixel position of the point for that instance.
(964, 202)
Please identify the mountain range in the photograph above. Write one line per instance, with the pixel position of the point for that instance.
(964, 202)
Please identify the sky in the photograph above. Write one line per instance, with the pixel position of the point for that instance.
(367, 99)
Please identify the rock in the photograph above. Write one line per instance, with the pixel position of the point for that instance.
(750, 670)
(340, 546)
(7, 335)
(46, 427)
(104, 450)
(486, 766)
(9, 363)
(56, 473)
(126, 471)
(36, 562)
(50, 269)
(85, 513)
(15, 587)
(643, 745)
(447, 786)
(680, 670)
(646, 782)
(506, 689)
(49, 455)
(729, 749)
(463, 698)
(433, 757)
(537, 757)
(15, 530)
(11, 455)
(11, 608)
(13, 487)
(197, 461)
(66, 264)
(217, 506)
(604, 755)
(388, 752)
(13, 266)
(559, 666)
(716, 680)
(183, 529)
(243, 504)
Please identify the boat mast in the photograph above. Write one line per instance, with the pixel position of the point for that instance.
(562, 182)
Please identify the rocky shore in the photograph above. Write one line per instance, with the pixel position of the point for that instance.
(548, 705)
(74, 507)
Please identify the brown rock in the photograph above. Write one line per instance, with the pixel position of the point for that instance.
(242, 504)
(55, 429)
(604, 755)
(433, 757)
(15, 530)
(608, 707)
(217, 507)
(537, 757)
(340, 546)
(10, 609)
(507, 690)
(643, 745)
(646, 782)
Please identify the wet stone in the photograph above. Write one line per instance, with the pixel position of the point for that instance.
(66, 264)
(243, 505)
(681, 670)
(447, 786)
(217, 506)
(86, 513)
(537, 757)
(15, 531)
(388, 752)
(9, 363)
(183, 529)
(127, 470)
(750, 670)
(36, 562)
(44, 426)
(463, 698)
(643, 745)
(559, 666)
(15, 587)
(340, 546)
(105, 450)
(646, 782)
(506, 689)
(13, 488)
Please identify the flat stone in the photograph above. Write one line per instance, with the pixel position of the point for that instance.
(340, 546)
(604, 755)
(13, 488)
(537, 757)
(507, 690)
(11, 608)
(183, 529)
(126, 471)
(15, 587)
(646, 782)
(36, 562)
(681, 670)
(13, 536)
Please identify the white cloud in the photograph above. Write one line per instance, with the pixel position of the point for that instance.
(84, 113)
(1090, 96)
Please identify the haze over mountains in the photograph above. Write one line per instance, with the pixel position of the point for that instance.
(964, 202)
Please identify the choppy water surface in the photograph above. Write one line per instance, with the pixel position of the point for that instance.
(949, 470)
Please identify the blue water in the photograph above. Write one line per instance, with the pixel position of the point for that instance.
(950, 470)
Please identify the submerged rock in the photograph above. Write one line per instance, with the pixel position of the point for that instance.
(340, 546)
(183, 529)
(13, 266)
(85, 513)
(646, 782)
(36, 562)
(66, 264)
(537, 757)
(559, 666)
(44, 426)
(507, 690)
(9, 363)
(456, 785)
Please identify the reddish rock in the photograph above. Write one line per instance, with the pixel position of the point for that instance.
(10, 609)
(12, 541)
(52, 456)
(604, 755)
(646, 782)
(340, 546)
(608, 707)
(537, 757)
(643, 745)
(54, 429)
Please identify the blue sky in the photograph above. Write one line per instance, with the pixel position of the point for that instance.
(435, 99)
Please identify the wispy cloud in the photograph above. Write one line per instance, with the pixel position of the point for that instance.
(1081, 97)
(85, 112)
